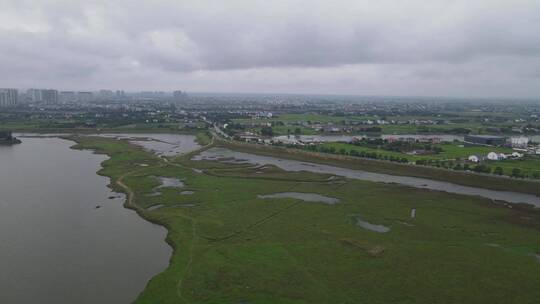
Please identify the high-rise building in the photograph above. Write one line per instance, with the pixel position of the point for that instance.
(85, 96)
(106, 94)
(120, 94)
(179, 95)
(49, 96)
(34, 95)
(8, 97)
(68, 96)
(152, 94)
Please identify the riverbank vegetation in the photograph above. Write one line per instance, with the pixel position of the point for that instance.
(449, 155)
(203, 138)
(231, 246)
(6, 138)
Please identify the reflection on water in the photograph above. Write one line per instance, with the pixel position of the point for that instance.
(307, 197)
(369, 226)
(293, 165)
(170, 182)
(55, 245)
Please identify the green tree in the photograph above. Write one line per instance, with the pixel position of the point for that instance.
(267, 131)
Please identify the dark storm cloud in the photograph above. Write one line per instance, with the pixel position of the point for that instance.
(345, 46)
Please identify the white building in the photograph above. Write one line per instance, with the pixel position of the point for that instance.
(517, 155)
(519, 141)
(8, 98)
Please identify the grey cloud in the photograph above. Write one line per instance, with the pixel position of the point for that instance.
(348, 46)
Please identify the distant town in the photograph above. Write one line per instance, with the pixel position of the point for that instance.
(10, 97)
(484, 136)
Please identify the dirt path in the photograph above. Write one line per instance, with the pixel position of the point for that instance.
(187, 269)
(130, 194)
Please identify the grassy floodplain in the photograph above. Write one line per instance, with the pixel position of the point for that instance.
(458, 177)
(232, 247)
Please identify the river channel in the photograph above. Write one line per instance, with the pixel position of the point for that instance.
(226, 155)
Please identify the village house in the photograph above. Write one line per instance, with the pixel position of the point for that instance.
(496, 156)
(474, 158)
(248, 137)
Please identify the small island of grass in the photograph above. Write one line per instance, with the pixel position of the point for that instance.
(7, 138)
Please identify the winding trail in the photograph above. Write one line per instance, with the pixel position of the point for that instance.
(129, 192)
(130, 202)
(187, 269)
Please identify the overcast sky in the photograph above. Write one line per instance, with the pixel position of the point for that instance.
(477, 48)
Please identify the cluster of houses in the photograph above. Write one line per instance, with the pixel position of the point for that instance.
(495, 156)
(248, 137)
(418, 139)
(352, 126)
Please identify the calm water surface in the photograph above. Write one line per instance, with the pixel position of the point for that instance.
(307, 197)
(55, 245)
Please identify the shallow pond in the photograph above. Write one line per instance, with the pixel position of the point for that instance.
(369, 226)
(170, 182)
(307, 197)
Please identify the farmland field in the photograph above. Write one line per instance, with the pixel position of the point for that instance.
(449, 151)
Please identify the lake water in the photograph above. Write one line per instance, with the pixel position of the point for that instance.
(55, 245)
(230, 156)
(158, 143)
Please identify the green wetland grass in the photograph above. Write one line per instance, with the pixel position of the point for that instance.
(230, 246)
